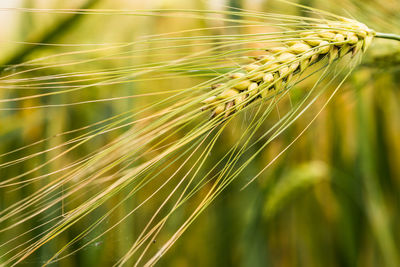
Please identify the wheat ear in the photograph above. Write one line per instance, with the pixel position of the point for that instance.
(272, 72)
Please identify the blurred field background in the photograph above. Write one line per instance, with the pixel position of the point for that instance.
(332, 199)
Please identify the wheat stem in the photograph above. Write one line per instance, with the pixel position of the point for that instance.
(390, 36)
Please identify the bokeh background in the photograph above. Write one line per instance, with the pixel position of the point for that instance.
(332, 199)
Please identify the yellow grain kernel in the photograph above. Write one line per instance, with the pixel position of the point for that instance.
(228, 93)
(209, 100)
(324, 47)
(313, 41)
(268, 78)
(219, 109)
(286, 57)
(300, 47)
(339, 38)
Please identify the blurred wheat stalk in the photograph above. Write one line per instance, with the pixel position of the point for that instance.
(152, 160)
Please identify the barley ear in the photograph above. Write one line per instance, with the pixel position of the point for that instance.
(271, 73)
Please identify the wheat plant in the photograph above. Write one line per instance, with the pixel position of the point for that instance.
(172, 98)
